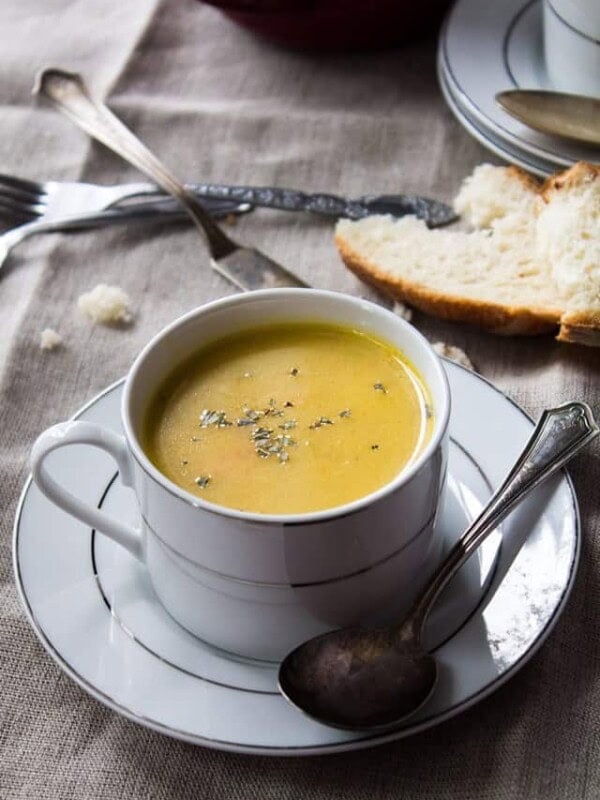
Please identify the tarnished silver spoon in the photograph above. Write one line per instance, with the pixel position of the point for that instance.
(360, 678)
(245, 267)
(572, 116)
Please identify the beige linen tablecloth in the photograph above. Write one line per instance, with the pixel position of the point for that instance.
(217, 104)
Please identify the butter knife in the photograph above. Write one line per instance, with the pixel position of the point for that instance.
(568, 115)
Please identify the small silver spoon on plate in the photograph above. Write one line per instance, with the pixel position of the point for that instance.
(363, 679)
(568, 115)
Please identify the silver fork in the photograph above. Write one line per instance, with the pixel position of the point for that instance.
(245, 267)
(22, 199)
(58, 199)
(68, 205)
(53, 201)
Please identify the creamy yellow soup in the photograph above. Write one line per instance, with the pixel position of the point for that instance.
(289, 418)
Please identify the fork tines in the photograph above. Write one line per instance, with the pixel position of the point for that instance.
(19, 198)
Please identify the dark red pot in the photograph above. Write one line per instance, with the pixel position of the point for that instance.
(335, 24)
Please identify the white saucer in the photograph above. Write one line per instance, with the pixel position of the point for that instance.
(485, 48)
(95, 612)
(487, 139)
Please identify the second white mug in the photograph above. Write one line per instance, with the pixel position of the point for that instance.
(572, 45)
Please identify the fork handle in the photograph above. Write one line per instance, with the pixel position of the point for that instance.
(159, 210)
(68, 91)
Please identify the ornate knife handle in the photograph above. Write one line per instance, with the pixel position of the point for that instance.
(329, 205)
(434, 212)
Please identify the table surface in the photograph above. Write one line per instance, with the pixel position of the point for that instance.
(218, 104)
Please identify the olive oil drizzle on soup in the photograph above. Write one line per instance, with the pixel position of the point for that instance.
(288, 418)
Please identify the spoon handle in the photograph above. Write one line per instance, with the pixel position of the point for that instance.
(558, 435)
(68, 91)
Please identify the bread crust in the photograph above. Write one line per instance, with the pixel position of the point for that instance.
(529, 181)
(580, 327)
(577, 175)
(494, 317)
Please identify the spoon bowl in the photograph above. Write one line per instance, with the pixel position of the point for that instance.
(357, 678)
(571, 116)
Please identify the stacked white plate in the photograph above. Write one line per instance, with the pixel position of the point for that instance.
(487, 47)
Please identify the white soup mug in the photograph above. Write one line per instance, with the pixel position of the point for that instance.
(257, 585)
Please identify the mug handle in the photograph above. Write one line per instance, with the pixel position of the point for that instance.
(75, 432)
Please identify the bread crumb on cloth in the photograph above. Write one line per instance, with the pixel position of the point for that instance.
(106, 305)
(50, 339)
(454, 354)
(402, 311)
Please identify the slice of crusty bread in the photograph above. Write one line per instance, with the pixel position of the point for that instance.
(530, 265)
